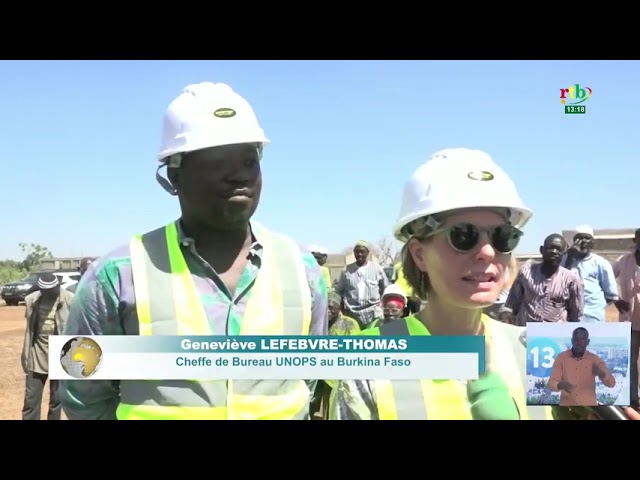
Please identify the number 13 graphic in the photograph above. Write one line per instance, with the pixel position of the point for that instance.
(547, 354)
(541, 355)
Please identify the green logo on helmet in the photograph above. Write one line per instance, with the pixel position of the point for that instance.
(481, 176)
(225, 113)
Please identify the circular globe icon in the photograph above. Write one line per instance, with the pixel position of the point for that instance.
(81, 357)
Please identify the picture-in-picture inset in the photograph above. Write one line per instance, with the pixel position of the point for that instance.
(578, 364)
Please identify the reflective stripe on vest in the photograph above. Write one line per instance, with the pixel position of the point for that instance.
(447, 399)
(401, 281)
(168, 303)
(516, 359)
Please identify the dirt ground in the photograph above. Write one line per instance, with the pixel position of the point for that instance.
(12, 325)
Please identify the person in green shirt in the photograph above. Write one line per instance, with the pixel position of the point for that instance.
(340, 324)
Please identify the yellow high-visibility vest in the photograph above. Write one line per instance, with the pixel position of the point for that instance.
(401, 281)
(447, 399)
(167, 303)
(326, 274)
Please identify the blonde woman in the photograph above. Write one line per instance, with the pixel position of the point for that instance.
(461, 219)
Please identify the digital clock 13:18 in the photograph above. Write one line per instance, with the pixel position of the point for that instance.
(574, 109)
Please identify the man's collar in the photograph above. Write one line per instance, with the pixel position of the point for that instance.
(187, 241)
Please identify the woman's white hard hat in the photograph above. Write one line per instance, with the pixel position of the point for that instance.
(454, 179)
(208, 115)
(394, 290)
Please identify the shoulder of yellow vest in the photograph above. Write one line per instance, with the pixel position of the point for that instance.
(370, 331)
(513, 332)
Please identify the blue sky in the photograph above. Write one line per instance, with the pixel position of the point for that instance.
(79, 142)
(600, 333)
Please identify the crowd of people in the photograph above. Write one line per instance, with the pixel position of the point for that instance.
(571, 283)
(216, 271)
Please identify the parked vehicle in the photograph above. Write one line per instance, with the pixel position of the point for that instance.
(15, 292)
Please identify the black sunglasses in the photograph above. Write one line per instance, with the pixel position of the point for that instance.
(464, 237)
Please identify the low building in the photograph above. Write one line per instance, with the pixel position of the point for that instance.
(524, 258)
(60, 263)
(337, 262)
(608, 243)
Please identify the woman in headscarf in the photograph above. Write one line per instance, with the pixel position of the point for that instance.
(461, 219)
(340, 324)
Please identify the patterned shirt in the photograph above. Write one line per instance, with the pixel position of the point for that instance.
(105, 304)
(627, 272)
(537, 298)
(361, 289)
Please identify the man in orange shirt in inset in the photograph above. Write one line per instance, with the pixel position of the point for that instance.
(575, 370)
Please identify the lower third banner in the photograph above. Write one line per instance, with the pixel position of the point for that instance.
(268, 357)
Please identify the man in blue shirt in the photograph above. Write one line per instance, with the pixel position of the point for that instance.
(600, 287)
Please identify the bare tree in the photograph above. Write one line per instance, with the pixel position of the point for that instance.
(386, 250)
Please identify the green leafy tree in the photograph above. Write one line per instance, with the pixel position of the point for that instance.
(34, 254)
(11, 270)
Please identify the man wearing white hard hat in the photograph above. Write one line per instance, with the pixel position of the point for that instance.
(214, 271)
(600, 285)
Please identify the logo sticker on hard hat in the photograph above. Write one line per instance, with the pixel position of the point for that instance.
(225, 113)
(481, 176)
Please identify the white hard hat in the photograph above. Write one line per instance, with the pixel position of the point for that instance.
(394, 291)
(208, 115)
(584, 229)
(455, 179)
(318, 249)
